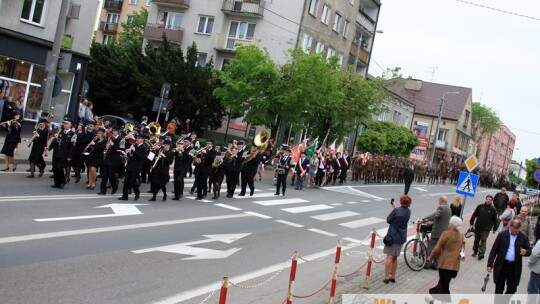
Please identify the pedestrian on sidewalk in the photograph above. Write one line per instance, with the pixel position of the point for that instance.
(484, 219)
(533, 289)
(456, 206)
(451, 247)
(12, 140)
(398, 219)
(526, 226)
(508, 214)
(408, 177)
(499, 202)
(440, 220)
(506, 258)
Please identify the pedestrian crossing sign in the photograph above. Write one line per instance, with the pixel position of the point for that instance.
(466, 184)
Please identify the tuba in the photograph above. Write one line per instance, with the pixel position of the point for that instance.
(154, 129)
(261, 141)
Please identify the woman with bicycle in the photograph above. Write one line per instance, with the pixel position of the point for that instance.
(397, 234)
(451, 247)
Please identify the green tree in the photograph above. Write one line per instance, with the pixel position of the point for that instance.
(484, 119)
(531, 165)
(373, 141)
(399, 140)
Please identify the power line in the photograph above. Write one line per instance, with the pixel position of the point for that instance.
(530, 132)
(500, 10)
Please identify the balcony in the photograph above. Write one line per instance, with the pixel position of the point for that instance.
(229, 44)
(173, 3)
(440, 144)
(364, 20)
(363, 55)
(248, 8)
(110, 28)
(113, 5)
(153, 32)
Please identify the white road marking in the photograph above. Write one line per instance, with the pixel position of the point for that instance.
(40, 236)
(351, 190)
(258, 215)
(281, 202)
(366, 201)
(202, 200)
(255, 195)
(352, 203)
(421, 189)
(307, 208)
(228, 207)
(351, 240)
(323, 232)
(362, 222)
(333, 216)
(290, 223)
(337, 204)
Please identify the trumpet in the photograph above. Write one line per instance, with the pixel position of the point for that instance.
(34, 136)
(110, 143)
(90, 147)
(7, 122)
(158, 157)
(194, 153)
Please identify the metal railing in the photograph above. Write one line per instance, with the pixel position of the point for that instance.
(108, 27)
(113, 5)
(255, 7)
(183, 3)
(154, 32)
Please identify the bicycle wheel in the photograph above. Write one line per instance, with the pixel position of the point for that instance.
(415, 254)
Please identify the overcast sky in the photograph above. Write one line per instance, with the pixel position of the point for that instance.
(494, 53)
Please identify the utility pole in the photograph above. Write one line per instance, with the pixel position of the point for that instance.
(438, 125)
(55, 55)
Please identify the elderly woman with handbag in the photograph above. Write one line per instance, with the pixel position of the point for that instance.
(396, 236)
(451, 247)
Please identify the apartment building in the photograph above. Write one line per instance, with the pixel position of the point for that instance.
(27, 30)
(453, 141)
(496, 149)
(219, 27)
(114, 13)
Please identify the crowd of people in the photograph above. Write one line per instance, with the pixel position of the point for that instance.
(517, 237)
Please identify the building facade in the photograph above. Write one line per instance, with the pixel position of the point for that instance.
(114, 13)
(27, 30)
(496, 150)
(219, 27)
(453, 140)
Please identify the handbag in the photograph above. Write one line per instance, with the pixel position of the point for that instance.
(388, 240)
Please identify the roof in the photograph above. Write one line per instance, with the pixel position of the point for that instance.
(426, 96)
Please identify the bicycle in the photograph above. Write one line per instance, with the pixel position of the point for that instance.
(415, 252)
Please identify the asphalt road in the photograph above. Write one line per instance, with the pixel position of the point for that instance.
(57, 246)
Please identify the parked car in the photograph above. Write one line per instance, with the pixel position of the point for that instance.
(519, 189)
(531, 191)
(120, 121)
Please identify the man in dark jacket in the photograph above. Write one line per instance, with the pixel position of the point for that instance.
(441, 219)
(484, 219)
(408, 177)
(182, 164)
(506, 263)
(137, 153)
(499, 202)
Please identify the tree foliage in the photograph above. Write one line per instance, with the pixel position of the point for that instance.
(124, 80)
(387, 138)
(531, 165)
(308, 91)
(485, 118)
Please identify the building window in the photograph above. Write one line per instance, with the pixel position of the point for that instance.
(242, 30)
(319, 48)
(406, 122)
(201, 60)
(331, 52)
(206, 24)
(148, 2)
(346, 29)
(112, 18)
(396, 117)
(314, 7)
(340, 61)
(382, 116)
(325, 14)
(106, 39)
(133, 2)
(337, 22)
(442, 135)
(170, 20)
(33, 11)
(467, 116)
(306, 43)
(225, 63)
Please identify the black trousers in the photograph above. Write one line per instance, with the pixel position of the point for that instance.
(202, 184)
(281, 183)
(442, 290)
(343, 175)
(407, 187)
(319, 177)
(506, 277)
(233, 177)
(109, 174)
(247, 180)
(130, 182)
(59, 166)
(179, 183)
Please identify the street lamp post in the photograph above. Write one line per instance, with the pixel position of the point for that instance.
(437, 129)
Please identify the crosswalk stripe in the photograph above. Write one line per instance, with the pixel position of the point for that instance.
(281, 202)
(362, 222)
(366, 201)
(333, 216)
(256, 195)
(290, 223)
(258, 215)
(337, 204)
(307, 208)
(228, 207)
(193, 198)
(352, 203)
(322, 232)
(351, 190)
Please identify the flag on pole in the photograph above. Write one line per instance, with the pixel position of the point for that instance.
(340, 148)
(333, 147)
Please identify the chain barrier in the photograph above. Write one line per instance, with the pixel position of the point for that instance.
(377, 262)
(260, 284)
(352, 273)
(315, 260)
(316, 292)
(208, 297)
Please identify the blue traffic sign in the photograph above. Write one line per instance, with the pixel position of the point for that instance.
(466, 184)
(537, 175)
(538, 161)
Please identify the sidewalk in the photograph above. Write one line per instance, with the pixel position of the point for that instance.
(469, 280)
(23, 151)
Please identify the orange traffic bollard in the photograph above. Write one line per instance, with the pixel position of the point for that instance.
(370, 258)
(334, 275)
(292, 278)
(223, 294)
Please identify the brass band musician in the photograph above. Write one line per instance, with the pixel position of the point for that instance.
(39, 142)
(135, 154)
